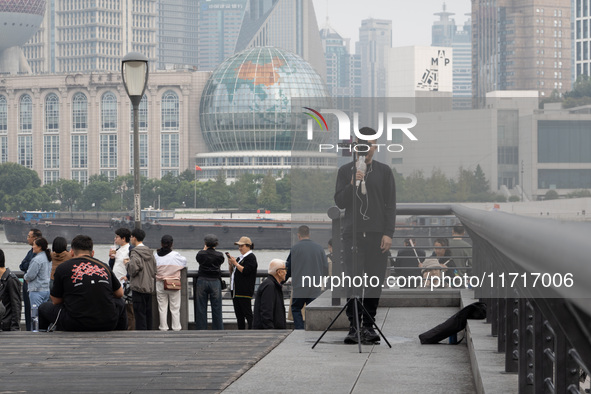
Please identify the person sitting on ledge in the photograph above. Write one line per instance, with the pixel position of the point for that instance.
(85, 295)
(269, 310)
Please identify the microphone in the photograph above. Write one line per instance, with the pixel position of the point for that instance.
(361, 166)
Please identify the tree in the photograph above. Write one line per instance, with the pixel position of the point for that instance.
(268, 198)
(97, 193)
(551, 195)
(66, 191)
(480, 183)
(218, 194)
(245, 189)
(15, 179)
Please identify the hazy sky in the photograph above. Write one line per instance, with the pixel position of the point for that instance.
(411, 19)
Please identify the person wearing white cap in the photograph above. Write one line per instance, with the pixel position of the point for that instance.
(244, 273)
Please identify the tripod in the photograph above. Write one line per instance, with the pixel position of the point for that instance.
(355, 298)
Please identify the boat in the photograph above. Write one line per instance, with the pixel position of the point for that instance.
(265, 233)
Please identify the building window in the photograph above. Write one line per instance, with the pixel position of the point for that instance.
(52, 113)
(3, 115)
(170, 111)
(25, 150)
(80, 112)
(26, 114)
(169, 149)
(51, 176)
(3, 149)
(80, 176)
(51, 151)
(143, 154)
(79, 151)
(109, 112)
(108, 151)
(143, 114)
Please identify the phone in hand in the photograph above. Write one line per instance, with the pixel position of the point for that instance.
(228, 254)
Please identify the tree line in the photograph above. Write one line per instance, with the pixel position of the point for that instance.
(298, 191)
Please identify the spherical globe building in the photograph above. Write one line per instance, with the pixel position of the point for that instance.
(252, 116)
(19, 21)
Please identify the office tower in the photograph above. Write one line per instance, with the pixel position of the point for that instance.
(445, 33)
(84, 36)
(177, 34)
(582, 21)
(218, 29)
(375, 41)
(343, 69)
(521, 45)
(285, 24)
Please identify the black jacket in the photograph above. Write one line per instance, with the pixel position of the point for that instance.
(210, 261)
(269, 310)
(244, 281)
(10, 296)
(376, 210)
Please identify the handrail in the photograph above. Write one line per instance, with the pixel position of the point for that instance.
(515, 235)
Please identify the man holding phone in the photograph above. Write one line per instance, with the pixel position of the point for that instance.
(243, 276)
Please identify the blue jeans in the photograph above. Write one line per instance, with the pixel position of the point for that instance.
(296, 311)
(38, 297)
(212, 290)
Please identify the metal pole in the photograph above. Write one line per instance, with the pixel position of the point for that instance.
(137, 207)
(195, 190)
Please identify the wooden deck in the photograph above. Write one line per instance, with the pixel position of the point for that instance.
(129, 361)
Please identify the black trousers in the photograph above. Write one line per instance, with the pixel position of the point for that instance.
(27, 304)
(142, 309)
(49, 313)
(243, 311)
(369, 263)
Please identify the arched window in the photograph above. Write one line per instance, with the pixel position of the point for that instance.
(109, 112)
(26, 114)
(52, 112)
(79, 112)
(170, 111)
(3, 115)
(143, 115)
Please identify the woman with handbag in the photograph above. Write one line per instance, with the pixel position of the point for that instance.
(169, 264)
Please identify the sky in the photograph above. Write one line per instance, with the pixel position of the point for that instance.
(411, 20)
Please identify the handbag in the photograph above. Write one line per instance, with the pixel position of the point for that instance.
(172, 284)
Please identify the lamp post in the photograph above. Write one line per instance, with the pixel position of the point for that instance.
(134, 70)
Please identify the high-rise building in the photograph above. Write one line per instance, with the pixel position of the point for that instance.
(218, 29)
(285, 24)
(445, 33)
(83, 36)
(343, 69)
(375, 41)
(177, 34)
(582, 21)
(521, 45)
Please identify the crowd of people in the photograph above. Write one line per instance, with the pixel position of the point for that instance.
(72, 290)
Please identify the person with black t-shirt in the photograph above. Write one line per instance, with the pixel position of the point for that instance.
(85, 295)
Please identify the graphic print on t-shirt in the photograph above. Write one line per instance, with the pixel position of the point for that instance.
(89, 269)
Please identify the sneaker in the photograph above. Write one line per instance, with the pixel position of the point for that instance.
(351, 337)
(369, 335)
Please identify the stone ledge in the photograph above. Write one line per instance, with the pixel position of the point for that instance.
(488, 365)
(321, 312)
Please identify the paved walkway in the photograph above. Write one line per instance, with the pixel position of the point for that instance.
(332, 367)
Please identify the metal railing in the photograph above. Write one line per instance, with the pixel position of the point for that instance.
(533, 274)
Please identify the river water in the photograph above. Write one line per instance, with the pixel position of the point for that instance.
(15, 252)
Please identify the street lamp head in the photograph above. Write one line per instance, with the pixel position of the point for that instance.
(134, 70)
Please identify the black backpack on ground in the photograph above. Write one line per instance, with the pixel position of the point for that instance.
(454, 324)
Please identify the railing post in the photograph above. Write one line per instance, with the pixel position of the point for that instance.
(512, 330)
(184, 300)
